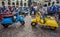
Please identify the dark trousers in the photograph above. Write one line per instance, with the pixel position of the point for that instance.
(59, 16)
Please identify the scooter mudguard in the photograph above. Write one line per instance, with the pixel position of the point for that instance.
(7, 21)
(19, 18)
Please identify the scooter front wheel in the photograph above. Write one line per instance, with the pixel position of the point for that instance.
(22, 23)
(5, 26)
(33, 24)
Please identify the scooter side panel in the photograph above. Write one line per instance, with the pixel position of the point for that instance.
(7, 21)
(51, 23)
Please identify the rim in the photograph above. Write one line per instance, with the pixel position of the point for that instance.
(33, 23)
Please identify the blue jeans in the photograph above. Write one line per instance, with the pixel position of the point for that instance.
(43, 16)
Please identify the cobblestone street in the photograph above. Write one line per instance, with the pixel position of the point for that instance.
(32, 6)
(18, 30)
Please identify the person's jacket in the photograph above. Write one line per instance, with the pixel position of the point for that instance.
(53, 9)
(58, 9)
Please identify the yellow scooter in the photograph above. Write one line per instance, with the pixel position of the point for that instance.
(46, 22)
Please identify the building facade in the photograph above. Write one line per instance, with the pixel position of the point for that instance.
(46, 1)
(14, 3)
(23, 3)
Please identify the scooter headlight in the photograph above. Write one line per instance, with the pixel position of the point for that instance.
(14, 17)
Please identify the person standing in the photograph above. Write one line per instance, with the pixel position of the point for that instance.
(32, 11)
(0, 10)
(10, 8)
(43, 10)
(13, 8)
(58, 11)
(3, 9)
(35, 7)
(53, 9)
(48, 8)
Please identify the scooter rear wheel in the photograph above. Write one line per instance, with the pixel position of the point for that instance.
(53, 28)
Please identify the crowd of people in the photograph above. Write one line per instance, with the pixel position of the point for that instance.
(49, 9)
(11, 9)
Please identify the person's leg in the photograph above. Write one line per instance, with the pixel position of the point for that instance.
(50, 14)
(43, 17)
(13, 18)
(59, 16)
(34, 12)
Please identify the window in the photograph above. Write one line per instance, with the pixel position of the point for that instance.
(21, 4)
(17, 3)
(47, 0)
(13, 0)
(8, 0)
(3, 3)
(24, 4)
(13, 3)
(9, 3)
(25, 0)
(2, 0)
(57, 1)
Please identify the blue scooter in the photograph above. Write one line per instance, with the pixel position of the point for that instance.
(9, 19)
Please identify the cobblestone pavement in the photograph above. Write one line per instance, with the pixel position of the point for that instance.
(17, 30)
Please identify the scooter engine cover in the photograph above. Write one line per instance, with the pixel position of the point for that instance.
(7, 21)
